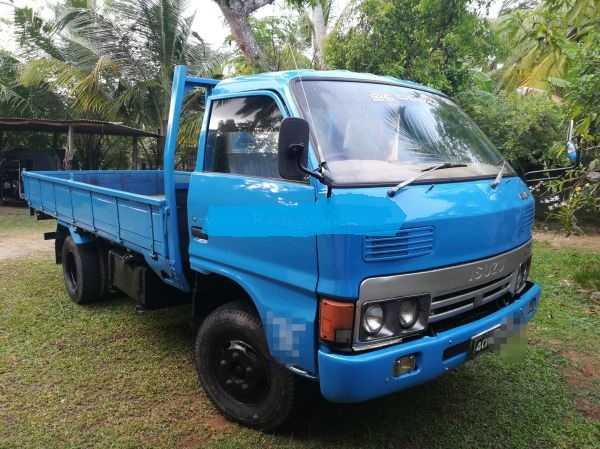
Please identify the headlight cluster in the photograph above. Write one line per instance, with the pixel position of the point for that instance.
(522, 275)
(393, 318)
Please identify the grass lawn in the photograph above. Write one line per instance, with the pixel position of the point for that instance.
(104, 376)
(16, 221)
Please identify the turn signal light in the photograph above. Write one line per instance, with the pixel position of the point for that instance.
(336, 320)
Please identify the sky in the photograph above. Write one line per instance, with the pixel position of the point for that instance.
(208, 20)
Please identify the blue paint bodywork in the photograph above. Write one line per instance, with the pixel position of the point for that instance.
(284, 276)
(470, 221)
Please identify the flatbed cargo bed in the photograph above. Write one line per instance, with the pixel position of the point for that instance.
(126, 207)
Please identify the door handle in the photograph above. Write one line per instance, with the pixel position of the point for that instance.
(197, 233)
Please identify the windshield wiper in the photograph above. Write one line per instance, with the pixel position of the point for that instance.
(392, 192)
(496, 181)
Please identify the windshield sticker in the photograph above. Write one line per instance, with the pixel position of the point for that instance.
(382, 97)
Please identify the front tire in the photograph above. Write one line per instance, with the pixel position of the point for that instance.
(80, 271)
(237, 372)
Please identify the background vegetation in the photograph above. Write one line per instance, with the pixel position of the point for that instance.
(521, 76)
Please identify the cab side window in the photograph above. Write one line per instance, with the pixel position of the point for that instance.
(242, 137)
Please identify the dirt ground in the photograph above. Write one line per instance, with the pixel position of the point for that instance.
(25, 245)
(588, 242)
(21, 235)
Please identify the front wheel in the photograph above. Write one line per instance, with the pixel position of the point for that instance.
(237, 372)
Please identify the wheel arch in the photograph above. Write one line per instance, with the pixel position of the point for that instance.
(288, 315)
(214, 290)
(63, 230)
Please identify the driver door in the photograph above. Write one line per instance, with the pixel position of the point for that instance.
(238, 167)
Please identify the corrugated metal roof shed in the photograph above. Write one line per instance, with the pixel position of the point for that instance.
(79, 127)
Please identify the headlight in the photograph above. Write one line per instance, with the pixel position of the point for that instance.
(408, 312)
(373, 319)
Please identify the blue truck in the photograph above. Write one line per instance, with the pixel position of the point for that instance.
(355, 230)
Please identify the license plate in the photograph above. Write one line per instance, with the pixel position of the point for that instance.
(482, 342)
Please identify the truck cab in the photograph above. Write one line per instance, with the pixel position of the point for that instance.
(380, 301)
(356, 230)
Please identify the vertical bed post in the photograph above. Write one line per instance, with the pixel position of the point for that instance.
(174, 252)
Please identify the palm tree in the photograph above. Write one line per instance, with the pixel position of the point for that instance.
(542, 39)
(115, 62)
(17, 100)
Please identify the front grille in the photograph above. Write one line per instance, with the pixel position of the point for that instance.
(409, 242)
(528, 217)
(469, 317)
(454, 303)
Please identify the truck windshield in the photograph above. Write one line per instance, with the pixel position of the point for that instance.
(370, 133)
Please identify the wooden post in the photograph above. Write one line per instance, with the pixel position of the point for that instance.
(68, 162)
(160, 145)
(55, 151)
(135, 157)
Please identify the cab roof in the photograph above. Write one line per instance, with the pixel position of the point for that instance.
(281, 80)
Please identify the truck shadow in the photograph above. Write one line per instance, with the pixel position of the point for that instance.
(170, 329)
(460, 406)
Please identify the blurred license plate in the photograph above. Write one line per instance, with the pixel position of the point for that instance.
(482, 342)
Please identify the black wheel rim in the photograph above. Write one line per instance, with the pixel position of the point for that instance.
(71, 269)
(240, 371)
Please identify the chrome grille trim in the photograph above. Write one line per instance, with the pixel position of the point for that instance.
(443, 281)
(437, 304)
(434, 317)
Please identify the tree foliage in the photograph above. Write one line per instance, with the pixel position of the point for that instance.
(526, 129)
(583, 89)
(17, 100)
(258, 40)
(555, 50)
(427, 41)
(283, 42)
(543, 40)
(237, 14)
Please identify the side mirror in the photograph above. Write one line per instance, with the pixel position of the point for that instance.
(293, 148)
(549, 174)
(571, 148)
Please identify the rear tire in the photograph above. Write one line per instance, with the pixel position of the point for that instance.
(81, 271)
(237, 372)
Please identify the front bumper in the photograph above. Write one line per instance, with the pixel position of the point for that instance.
(355, 378)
